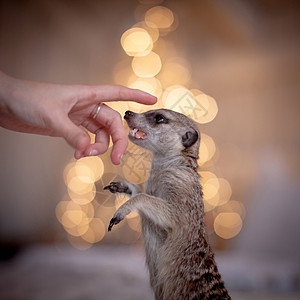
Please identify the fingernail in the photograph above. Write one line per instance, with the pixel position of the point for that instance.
(77, 154)
(94, 152)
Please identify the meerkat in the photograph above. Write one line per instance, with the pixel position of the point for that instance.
(179, 258)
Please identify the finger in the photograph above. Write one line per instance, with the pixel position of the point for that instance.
(101, 143)
(65, 128)
(112, 120)
(120, 143)
(102, 137)
(119, 93)
(78, 154)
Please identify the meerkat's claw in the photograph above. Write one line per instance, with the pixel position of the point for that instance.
(113, 221)
(113, 187)
(117, 187)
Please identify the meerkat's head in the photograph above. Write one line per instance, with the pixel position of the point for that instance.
(164, 132)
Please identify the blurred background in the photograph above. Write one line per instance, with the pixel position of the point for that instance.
(231, 66)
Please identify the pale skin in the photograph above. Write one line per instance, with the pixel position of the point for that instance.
(61, 110)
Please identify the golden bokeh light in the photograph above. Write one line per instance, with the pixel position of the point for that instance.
(225, 191)
(84, 173)
(72, 206)
(69, 172)
(95, 232)
(105, 213)
(80, 177)
(211, 203)
(159, 17)
(150, 85)
(211, 193)
(217, 191)
(121, 107)
(83, 198)
(206, 107)
(153, 31)
(228, 224)
(80, 229)
(134, 222)
(207, 149)
(179, 99)
(146, 66)
(175, 71)
(90, 167)
(76, 185)
(136, 41)
(206, 175)
(60, 209)
(72, 218)
(233, 206)
(211, 188)
(89, 210)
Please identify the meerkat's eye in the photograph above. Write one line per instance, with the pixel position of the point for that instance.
(160, 119)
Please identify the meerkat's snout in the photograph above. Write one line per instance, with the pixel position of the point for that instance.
(134, 133)
(128, 114)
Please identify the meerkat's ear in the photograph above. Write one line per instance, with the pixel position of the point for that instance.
(189, 138)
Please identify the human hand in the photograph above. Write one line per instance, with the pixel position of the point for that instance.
(59, 110)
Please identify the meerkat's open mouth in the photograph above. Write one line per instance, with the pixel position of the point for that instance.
(137, 133)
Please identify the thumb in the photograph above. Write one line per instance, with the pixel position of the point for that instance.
(75, 137)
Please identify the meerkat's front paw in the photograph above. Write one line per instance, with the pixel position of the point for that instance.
(118, 187)
(113, 221)
(117, 218)
(119, 215)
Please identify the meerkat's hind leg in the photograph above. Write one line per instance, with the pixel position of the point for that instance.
(123, 187)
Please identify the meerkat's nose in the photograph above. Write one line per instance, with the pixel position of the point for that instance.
(128, 115)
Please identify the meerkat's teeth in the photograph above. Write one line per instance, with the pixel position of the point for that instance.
(136, 133)
(135, 130)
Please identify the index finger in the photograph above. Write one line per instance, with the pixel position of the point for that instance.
(109, 93)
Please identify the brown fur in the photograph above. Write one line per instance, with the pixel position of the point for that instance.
(180, 261)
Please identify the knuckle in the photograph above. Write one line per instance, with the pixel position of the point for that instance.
(120, 91)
